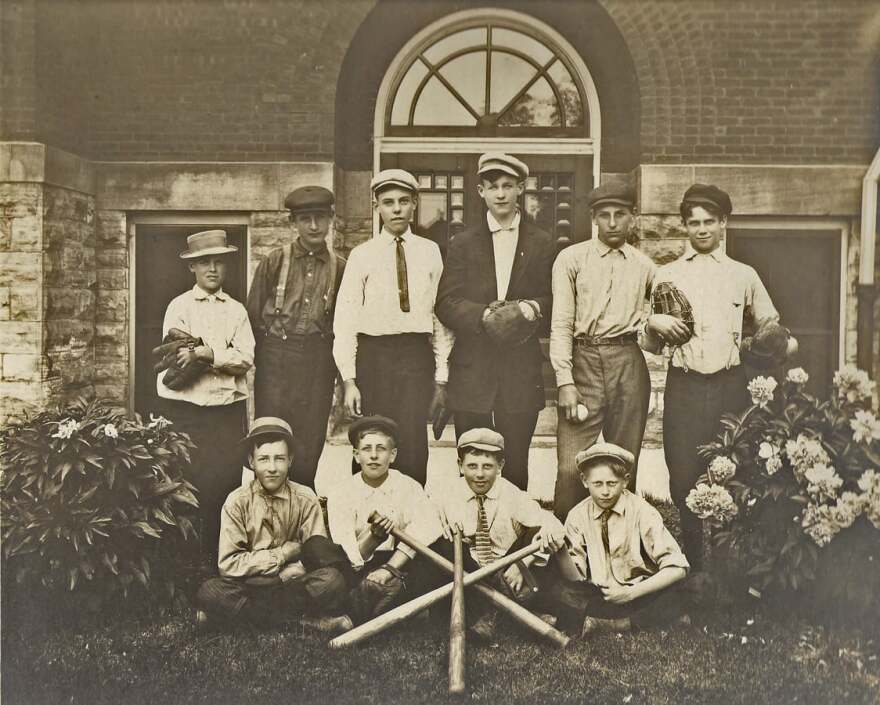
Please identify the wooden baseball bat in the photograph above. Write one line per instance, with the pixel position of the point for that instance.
(402, 612)
(512, 607)
(456, 621)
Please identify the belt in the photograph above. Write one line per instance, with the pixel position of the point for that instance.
(587, 341)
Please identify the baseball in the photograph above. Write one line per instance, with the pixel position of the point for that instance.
(582, 412)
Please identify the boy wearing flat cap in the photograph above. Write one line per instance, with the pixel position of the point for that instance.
(362, 513)
(620, 559)
(211, 405)
(391, 350)
(494, 517)
(601, 289)
(705, 377)
(275, 559)
(290, 305)
(495, 296)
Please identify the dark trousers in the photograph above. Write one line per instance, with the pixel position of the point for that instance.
(575, 600)
(294, 381)
(217, 461)
(615, 384)
(395, 375)
(692, 407)
(517, 429)
(266, 601)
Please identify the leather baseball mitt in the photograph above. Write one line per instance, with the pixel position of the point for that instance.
(670, 300)
(506, 325)
(768, 347)
(165, 357)
(371, 598)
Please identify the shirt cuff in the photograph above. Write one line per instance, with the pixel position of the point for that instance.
(564, 377)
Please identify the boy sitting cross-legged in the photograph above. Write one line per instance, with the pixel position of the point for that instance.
(621, 560)
(274, 557)
(362, 513)
(494, 516)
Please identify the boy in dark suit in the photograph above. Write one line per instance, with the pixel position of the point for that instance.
(505, 258)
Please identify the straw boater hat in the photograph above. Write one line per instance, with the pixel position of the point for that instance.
(207, 242)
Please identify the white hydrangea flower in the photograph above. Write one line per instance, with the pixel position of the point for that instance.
(761, 389)
(869, 482)
(773, 465)
(797, 375)
(66, 429)
(110, 431)
(712, 501)
(819, 523)
(853, 385)
(721, 469)
(767, 450)
(848, 508)
(805, 452)
(865, 426)
(823, 481)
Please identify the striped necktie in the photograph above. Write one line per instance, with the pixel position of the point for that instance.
(482, 542)
(402, 281)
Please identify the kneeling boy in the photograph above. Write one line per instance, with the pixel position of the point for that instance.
(621, 559)
(363, 512)
(494, 516)
(274, 557)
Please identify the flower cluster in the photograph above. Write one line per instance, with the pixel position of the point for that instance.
(769, 453)
(822, 522)
(865, 427)
(110, 431)
(869, 483)
(66, 428)
(761, 390)
(805, 453)
(721, 469)
(797, 375)
(711, 501)
(853, 385)
(823, 482)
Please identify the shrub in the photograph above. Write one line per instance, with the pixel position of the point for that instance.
(96, 504)
(790, 474)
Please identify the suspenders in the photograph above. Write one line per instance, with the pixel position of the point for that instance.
(284, 272)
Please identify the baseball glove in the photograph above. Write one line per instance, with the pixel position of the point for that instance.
(670, 300)
(768, 347)
(506, 325)
(371, 598)
(165, 357)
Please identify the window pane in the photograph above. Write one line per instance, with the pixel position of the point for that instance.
(465, 39)
(571, 99)
(509, 75)
(467, 74)
(536, 108)
(437, 106)
(405, 93)
(432, 209)
(521, 42)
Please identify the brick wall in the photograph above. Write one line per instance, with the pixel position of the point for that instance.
(755, 81)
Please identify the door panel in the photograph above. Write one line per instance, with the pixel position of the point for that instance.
(160, 275)
(801, 270)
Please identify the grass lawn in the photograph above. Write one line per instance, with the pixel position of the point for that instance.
(724, 657)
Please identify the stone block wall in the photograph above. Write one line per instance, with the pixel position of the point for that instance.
(112, 323)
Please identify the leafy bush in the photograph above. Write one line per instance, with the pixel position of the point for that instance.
(95, 503)
(790, 474)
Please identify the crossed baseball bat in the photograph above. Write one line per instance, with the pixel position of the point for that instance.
(456, 589)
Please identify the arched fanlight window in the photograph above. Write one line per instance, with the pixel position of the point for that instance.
(488, 79)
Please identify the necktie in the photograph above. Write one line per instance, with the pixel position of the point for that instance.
(603, 518)
(275, 525)
(402, 282)
(482, 543)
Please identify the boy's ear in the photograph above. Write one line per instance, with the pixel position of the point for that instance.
(393, 454)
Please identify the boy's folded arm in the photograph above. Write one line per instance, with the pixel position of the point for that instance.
(662, 579)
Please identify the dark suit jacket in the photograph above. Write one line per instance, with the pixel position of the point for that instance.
(482, 376)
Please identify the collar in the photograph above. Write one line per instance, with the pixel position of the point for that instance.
(201, 295)
(619, 507)
(282, 492)
(495, 226)
(690, 253)
(299, 250)
(391, 238)
(386, 483)
(493, 492)
(603, 249)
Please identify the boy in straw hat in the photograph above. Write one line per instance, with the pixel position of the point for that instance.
(211, 407)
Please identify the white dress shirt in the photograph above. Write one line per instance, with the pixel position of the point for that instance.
(368, 300)
(222, 324)
(399, 497)
(504, 241)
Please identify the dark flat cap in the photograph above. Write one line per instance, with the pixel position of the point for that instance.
(612, 192)
(373, 423)
(708, 194)
(309, 198)
(605, 450)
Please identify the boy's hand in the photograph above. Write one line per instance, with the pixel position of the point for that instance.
(291, 550)
(449, 523)
(568, 401)
(550, 538)
(381, 525)
(673, 330)
(351, 398)
(617, 594)
(514, 578)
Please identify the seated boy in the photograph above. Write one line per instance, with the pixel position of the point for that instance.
(494, 516)
(621, 559)
(380, 566)
(274, 557)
